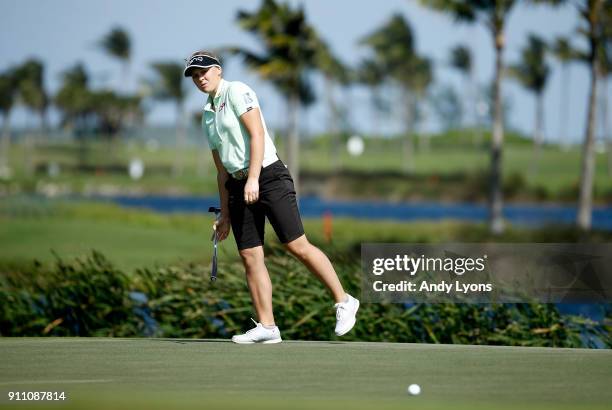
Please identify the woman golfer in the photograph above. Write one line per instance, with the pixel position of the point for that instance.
(254, 184)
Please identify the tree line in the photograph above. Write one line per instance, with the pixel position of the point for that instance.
(291, 50)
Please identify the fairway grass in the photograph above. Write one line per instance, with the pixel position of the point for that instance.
(101, 373)
(558, 170)
(130, 245)
(138, 238)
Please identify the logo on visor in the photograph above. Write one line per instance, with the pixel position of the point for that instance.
(197, 58)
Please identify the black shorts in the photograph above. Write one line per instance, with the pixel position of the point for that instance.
(277, 201)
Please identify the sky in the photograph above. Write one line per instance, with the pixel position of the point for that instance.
(64, 32)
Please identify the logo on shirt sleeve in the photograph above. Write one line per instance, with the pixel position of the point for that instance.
(247, 98)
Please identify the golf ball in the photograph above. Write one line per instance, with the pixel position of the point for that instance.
(414, 389)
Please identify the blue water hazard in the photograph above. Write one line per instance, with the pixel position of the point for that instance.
(313, 207)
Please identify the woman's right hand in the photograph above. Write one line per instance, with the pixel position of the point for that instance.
(222, 227)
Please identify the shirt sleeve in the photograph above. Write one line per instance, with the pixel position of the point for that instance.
(242, 98)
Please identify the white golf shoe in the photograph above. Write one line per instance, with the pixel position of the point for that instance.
(259, 334)
(345, 315)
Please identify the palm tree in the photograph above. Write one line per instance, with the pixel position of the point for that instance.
(591, 12)
(334, 72)
(170, 86)
(605, 71)
(419, 82)
(8, 91)
(73, 97)
(393, 47)
(112, 112)
(446, 103)
(30, 85)
(532, 73)
(74, 100)
(290, 45)
(564, 52)
(461, 59)
(372, 74)
(117, 44)
(493, 14)
(31, 93)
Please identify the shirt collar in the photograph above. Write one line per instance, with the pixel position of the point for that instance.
(221, 89)
(220, 92)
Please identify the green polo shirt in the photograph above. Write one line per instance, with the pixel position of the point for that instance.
(225, 132)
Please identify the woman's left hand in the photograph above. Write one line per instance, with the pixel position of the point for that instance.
(251, 191)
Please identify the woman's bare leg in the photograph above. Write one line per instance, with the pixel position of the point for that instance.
(318, 263)
(259, 283)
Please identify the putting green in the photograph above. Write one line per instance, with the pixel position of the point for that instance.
(101, 373)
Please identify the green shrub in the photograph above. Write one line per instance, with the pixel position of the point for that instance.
(88, 297)
(513, 184)
(541, 193)
(92, 298)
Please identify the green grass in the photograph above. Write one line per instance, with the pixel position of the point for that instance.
(132, 246)
(194, 373)
(558, 171)
(198, 176)
(133, 238)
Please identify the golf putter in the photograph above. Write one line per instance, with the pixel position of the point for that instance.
(213, 272)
